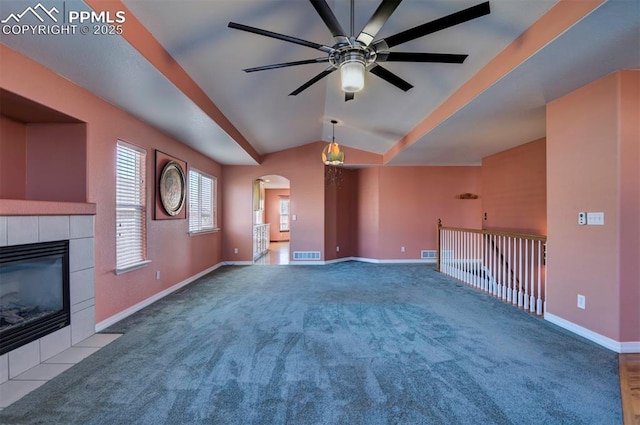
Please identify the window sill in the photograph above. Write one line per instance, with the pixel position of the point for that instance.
(133, 267)
(204, 232)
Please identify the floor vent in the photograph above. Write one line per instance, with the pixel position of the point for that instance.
(306, 255)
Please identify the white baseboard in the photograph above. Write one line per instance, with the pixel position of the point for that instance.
(363, 260)
(395, 261)
(142, 304)
(236, 263)
(630, 347)
(606, 342)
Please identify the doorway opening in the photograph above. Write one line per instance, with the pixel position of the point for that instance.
(271, 220)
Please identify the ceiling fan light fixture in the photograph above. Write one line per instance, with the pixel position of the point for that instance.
(352, 72)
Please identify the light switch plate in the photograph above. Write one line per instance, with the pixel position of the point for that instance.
(595, 219)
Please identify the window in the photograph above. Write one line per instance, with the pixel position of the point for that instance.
(131, 211)
(284, 214)
(202, 202)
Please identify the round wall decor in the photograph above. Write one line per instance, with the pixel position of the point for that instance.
(172, 188)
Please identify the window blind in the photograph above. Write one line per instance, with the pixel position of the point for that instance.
(202, 195)
(130, 206)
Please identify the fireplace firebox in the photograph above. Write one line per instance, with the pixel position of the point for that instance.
(34, 292)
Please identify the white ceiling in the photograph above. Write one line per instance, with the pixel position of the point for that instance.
(196, 35)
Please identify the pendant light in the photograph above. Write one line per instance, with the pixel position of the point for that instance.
(331, 154)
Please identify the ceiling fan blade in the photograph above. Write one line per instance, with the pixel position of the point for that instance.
(312, 81)
(377, 20)
(286, 64)
(420, 57)
(390, 77)
(433, 26)
(349, 96)
(278, 36)
(330, 20)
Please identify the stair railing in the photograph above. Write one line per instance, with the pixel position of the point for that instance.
(509, 266)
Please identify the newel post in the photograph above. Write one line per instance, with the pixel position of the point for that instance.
(438, 247)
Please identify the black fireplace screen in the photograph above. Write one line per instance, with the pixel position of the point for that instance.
(34, 292)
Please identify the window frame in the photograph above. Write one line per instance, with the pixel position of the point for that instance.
(195, 202)
(287, 214)
(137, 201)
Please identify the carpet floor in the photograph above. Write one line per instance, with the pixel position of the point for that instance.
(346, 343)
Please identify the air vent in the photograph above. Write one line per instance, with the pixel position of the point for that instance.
(428, 254)
(432, 254)
(306, 255)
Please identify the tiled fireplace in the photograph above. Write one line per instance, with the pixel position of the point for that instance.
(78, 230)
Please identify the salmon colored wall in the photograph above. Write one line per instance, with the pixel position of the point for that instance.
(514, 189)
(629, 177)
(347, 207)
(172, 251)
(368, 222)
(272, 213)
(331, 217)
(57, 162)
(412, 199)
(13, 159)
(305, 171)
(341, 215)
(582, 175)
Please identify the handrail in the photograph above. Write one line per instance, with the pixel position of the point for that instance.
(495, 232)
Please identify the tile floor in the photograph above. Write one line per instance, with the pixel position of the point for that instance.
(16, 388)
(278, 254)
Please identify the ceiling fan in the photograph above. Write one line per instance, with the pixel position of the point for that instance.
(353, 55)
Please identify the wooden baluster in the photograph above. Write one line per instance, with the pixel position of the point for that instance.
(519, 272)
(467, 242)
(517, 289)
(544, 300)
(539, 303)
(494, 273)
(508, 268)
(476, 261)
(499, 260)
(448, 257)
(503, 286)
(532, 299)
(526, 275)
(438, 247)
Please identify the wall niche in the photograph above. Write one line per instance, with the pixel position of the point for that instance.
(43, 152)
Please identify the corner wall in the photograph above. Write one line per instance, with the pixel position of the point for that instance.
(13, 159)
(592, 166)
(514, 189)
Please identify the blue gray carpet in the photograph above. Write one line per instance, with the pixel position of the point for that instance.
(347, 343)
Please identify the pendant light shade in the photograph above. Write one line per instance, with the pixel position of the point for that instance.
(331, 154)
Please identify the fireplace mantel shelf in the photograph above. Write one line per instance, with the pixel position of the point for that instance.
(12, 207)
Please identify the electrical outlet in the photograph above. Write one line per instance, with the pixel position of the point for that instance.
(582, 302)
(402, 249)
(337, 249)
(235, 250)
(157, 274)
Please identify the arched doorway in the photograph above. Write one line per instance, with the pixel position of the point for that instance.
(271, 235)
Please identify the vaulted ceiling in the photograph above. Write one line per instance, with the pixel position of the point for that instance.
(178, 66)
